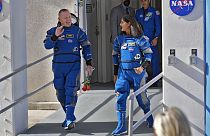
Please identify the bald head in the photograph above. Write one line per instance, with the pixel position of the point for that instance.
(64, 17)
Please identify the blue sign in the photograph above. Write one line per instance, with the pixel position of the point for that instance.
(182, 7)
(0, 5)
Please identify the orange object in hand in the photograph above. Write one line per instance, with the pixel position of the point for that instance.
(86, 84)
(84, 88)
(88, 87)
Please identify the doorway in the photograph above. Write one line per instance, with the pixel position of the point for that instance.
(99, 34)
(98, 30)
(92, 32)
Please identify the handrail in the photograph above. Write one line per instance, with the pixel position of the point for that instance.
(19, 70)
(25, 67)
(141, 89)
(137, 124)
(132, 127)
(24, 97)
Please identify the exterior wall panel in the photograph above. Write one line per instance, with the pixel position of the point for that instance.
(183, 83)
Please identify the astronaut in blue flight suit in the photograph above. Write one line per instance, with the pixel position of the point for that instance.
(149, 19)
(66, 41)
(128, 50)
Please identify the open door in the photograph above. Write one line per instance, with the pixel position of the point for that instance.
(98, 30)
(99, 35)
(92, 32)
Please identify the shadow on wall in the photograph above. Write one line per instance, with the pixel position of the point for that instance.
(197, 12)
(190, 71)
(194, 98)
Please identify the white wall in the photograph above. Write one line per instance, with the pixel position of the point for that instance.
(41, 16)
(13, 56)
(18, 59)
(183, 84)
(5, 66)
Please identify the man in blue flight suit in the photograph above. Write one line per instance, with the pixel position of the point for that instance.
(66, 40)
(149, 19)
(128, 51)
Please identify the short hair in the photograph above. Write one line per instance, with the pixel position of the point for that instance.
(136, 29)
(172, 122)
(63, 10)
(148, 0)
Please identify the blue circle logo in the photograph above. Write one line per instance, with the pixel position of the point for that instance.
(182, 7)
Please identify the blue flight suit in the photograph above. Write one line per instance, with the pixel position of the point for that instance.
(127, 53)
(66, 64)
(0, 7)
(149, 19)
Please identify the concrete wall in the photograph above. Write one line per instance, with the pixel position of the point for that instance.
(5, 66)
(183, 84)
(41, 16)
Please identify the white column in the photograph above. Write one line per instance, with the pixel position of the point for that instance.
(83, 25)
(13, 56)
(18, 59)
(183, 83)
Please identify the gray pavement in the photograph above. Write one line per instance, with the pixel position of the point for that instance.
(95, 114)
(35, 116)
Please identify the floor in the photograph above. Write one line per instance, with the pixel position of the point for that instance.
(95, 114)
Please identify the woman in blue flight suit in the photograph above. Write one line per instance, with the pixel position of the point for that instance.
(66, 40)
(128, 52)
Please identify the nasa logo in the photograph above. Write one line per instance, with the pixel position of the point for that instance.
(182, 7)
(124, 46)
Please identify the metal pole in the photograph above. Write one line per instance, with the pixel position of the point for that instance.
(24, 97)
(24, 67)
(83, 25)
(137, 124)
(130, 124)
(140, 90)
